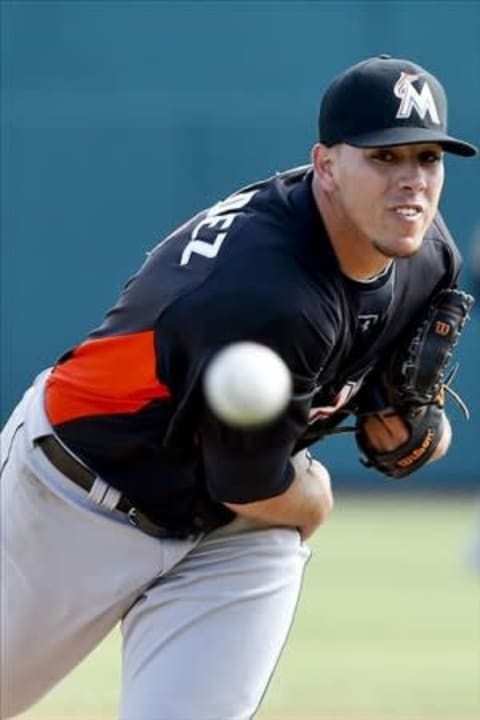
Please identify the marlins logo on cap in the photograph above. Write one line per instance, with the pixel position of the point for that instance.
(411, 99)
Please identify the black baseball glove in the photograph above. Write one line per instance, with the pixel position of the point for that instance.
(412, 384)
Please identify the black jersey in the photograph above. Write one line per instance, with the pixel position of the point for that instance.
(257, 266)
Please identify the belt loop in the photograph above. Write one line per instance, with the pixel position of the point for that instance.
(104, 494)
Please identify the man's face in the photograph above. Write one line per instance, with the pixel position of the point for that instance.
(389, 196)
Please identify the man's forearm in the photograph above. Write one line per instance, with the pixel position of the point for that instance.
(304, 505)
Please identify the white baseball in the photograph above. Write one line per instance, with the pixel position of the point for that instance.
(247, 384)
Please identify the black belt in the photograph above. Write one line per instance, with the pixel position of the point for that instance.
(84, 478)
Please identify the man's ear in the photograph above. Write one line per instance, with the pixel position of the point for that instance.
(323, 159)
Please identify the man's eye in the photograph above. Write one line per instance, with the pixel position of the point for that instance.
(430, 158)
(383, 156)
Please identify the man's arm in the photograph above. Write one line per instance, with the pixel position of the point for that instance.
(305, 504)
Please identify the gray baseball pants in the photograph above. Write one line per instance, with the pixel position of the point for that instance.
(203, 621)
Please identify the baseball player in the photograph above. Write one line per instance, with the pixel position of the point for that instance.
(126, 500)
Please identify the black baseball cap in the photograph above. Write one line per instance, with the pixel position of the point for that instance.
(385, 101)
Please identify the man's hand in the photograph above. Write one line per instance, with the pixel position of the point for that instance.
(305, 504)
(385, 431)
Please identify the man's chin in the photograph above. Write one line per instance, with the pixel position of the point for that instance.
(399, 247)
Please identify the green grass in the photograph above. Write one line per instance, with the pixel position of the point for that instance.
(388, 627)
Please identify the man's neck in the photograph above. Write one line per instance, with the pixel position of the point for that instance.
(357, 259)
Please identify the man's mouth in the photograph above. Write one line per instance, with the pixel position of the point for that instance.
(408, 211)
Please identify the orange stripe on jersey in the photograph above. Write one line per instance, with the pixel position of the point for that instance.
(105, 376)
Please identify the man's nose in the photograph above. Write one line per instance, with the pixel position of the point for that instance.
(412, 177)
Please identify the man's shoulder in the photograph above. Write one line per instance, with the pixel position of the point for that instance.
(440, 236)
(265, 203)
(274, 194)
(283, 178)
(419, 277)
(440, 247)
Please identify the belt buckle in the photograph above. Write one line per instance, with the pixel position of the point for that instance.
(143, 523)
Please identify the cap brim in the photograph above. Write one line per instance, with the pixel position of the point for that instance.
(411, 136)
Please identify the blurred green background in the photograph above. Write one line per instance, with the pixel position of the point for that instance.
(387, 629)
(122, 118)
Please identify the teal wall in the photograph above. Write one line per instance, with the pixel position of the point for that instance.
(120, 119)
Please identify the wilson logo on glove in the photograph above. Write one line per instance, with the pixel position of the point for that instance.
(442, 328)
(416, 454)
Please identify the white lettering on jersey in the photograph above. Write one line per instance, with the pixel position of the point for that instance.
(219, 216)
(411, 99)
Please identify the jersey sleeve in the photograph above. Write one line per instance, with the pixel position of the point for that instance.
(245, 465)
(240, 465)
